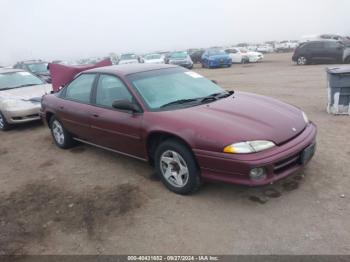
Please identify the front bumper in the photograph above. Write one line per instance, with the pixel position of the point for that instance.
(22, 115)
(219, 63)
(279, 162)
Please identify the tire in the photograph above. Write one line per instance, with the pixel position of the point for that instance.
(3, 123)
(63, 139)
(177, 167)
(302, 60)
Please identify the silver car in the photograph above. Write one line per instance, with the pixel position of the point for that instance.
(20, 97)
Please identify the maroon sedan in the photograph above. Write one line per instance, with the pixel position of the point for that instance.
(188, 127)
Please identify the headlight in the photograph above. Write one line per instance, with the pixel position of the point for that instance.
(248, 147)
(306, 119)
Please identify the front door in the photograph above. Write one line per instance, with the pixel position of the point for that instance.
(115, 129)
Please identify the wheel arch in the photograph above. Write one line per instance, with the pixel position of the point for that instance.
(48, 117)
(155, 138)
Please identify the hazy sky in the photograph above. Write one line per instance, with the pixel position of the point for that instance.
(71, 29)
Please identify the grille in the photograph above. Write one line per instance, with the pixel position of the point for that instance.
(286, 164)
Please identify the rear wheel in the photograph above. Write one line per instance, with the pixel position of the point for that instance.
(3, 123)
(61, 136)
(177, 168)
(302, 60)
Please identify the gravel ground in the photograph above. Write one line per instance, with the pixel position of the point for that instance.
(89, 201)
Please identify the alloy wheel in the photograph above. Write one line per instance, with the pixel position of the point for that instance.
(302, 60)
(2, 122)
(57, 131)
(174, 168)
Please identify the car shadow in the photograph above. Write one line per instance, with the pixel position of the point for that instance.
(259, 195)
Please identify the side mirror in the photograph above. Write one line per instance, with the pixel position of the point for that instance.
(126, 105)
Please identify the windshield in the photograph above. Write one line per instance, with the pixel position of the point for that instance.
(18, 79)
(217, 52)
(128, 56)
(37, 68)
(154, 56)
(178, 55)
(160, 87)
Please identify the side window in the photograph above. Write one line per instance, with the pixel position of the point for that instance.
(332, 44)
(110, 89)
(80, 88)
(317, 45)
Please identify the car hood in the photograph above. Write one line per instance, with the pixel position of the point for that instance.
(128, 61)
(27, 92)
(241, 117)
(219, 57)
(252, 53)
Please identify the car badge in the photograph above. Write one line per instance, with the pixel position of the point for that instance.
(294, 129)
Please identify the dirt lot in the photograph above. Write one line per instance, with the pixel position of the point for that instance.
(89, 201)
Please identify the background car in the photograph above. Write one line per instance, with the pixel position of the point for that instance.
(180, 58)
(265, 49)
(321, 52)
(153, 59)
(196, 55)
(253, 56)
(128, 58)
(214, 57)
(237, 56)
(36, 67)
(286, 46)
(20, 97)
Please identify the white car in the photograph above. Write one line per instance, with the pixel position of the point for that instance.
(153, 59)
(251, 56)
(285, 46)
(265, 49)
(128, 58)
(237, 56)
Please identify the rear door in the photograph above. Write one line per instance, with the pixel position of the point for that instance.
(115, 129)
(74, 109)
(334, 51)
(318, 51)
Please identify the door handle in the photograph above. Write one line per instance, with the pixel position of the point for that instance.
(95, 115)
(61, 107)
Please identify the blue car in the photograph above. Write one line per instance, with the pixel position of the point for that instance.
(216, 58)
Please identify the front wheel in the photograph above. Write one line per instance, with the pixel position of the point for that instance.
(61, 136)
(177, 168)
(302, 60)
(3, 123)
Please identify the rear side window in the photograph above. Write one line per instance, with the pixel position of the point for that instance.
(316, 45)
(80, 89)
(110, 89)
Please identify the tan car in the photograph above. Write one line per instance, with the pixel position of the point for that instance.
(20, 97)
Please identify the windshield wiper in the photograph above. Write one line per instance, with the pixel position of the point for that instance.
(180, 101)
(217, 96)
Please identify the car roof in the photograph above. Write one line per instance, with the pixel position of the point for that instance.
(10, 70)
(128, 69)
